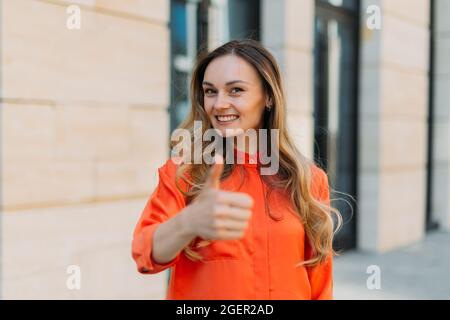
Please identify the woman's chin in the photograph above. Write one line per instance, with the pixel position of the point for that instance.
(230, 132)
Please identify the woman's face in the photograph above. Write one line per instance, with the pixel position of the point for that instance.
(233, 95)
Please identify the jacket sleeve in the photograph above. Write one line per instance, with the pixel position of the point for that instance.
(321, 276)
(165, 201)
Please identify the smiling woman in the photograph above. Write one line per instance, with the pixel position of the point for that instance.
(229, 231)
(233, 94)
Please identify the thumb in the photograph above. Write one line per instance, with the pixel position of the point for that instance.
(213, 180)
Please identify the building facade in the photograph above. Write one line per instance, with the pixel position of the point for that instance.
(86, 116)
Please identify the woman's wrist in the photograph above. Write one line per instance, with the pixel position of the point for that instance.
(171, 237)
(184, 223)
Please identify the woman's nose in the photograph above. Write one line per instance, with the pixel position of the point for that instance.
(221, 102)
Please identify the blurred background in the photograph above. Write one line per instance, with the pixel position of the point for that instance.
(91, 89)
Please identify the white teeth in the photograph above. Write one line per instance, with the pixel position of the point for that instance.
(227, 118)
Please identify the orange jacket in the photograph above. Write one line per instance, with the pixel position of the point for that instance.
(260, 266)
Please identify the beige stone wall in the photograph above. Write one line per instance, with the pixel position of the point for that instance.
(287, 31)
(40, 244)
(441, 163)
(393, 125)
(84, 126)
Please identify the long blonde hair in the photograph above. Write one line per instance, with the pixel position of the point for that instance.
(295, 170)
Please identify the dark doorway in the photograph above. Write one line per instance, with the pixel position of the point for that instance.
(335, 107)
(431, 222)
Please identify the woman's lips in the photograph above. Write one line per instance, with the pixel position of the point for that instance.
(227, 119)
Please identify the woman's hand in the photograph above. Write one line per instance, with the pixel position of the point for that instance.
(216, 214)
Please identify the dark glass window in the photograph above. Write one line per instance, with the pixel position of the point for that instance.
(431, 221)
(345, 4)
(184, 24)
(335, 107)
(244, 19)
(199, 24)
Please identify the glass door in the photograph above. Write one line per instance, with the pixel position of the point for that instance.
(335, 112)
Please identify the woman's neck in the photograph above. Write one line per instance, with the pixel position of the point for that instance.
(249, 146)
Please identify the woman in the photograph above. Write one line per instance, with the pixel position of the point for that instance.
(228, 231)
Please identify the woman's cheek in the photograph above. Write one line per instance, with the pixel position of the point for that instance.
(208, 108)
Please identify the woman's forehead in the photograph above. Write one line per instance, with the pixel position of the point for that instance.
(230, 68)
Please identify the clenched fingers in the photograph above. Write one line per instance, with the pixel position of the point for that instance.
(232, 213)
(235, 199)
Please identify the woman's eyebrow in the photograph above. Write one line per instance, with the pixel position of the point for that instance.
(227, 84)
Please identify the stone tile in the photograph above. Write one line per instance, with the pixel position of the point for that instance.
(442, 140)
(46, 183)
(299, 24)
(302, 132)
(413, 11)
(369, 145)
(441, 56)
(404, 45)
(370, 92)
(28, 132)
(442, 8)
(403, 142)
(95, 237)
(92, 133)
(404, 93)
(108, 60)
(158, 10)
(402, 208)
(298, 83)
(368, 208)
(442, 96)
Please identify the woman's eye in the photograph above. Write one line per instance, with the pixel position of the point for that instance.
(209, 91)
(236, 90)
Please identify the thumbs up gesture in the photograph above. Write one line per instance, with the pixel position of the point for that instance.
(217, 214)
